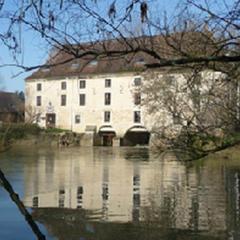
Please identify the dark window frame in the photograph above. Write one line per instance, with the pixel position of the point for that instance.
(63, 100)
(82, 99)
(64, 85)
(137, 98)
(77, 118)
(108, 83)
(82, 84)
(107, 116)
(39, 101)
(137, 116)
(39, 87)
(107, 98)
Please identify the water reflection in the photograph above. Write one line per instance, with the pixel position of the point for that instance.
(114, 185)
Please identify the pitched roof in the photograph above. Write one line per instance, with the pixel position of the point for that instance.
(10, 102)
(121, 55)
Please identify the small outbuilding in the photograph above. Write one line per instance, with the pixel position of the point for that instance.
(11, 107)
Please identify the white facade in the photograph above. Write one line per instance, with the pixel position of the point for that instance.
(76, 117)
(112, 103)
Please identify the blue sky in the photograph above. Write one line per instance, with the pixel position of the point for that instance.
(35, 51)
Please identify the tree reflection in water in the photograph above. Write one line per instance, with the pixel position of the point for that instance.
(77, 224)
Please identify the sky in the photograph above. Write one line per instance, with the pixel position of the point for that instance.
(35, 50)
(34, 53)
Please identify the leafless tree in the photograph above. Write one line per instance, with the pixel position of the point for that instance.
(31, 114)
(192, 109)
(63, 24)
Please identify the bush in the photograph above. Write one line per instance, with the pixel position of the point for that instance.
(231, 140)
(55, 130)
(18, 130)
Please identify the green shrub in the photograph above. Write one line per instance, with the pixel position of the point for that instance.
(55, 130)
(18, 130)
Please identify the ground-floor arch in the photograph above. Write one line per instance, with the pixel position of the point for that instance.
(106, 135)
(136, 135)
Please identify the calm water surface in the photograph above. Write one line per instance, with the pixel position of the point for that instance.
(120, 193)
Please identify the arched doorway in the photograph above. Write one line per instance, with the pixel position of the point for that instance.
(136, 135)
(106, 133)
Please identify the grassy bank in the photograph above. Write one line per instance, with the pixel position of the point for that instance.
(194, 145)
(205, 145)
(10, 133)
(190, 147)
(32, 134)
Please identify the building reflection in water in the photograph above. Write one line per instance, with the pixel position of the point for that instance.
(116, 188)
(105, 192)
(79, 197)
(136, 195)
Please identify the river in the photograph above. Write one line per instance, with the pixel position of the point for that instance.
(120, 193)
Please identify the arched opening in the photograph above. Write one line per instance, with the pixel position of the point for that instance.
(106, 134)
(137, 135)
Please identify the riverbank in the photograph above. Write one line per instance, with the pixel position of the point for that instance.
(22, 134)
(232, 152)
(32, 135)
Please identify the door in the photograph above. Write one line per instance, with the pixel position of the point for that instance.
(107, 139)
(50, 120)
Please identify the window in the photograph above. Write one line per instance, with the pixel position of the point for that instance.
(107, 116)
(75, 66)
(140, 61)
(93, 63)
(137, 117)
(137, 98)
(63, 100)
(39, 100)
(137, 81)
(77, 119)
(82, 99)
(107, 99)
(39, 87)
(63, 85)
(107, 83)
(82, 84)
